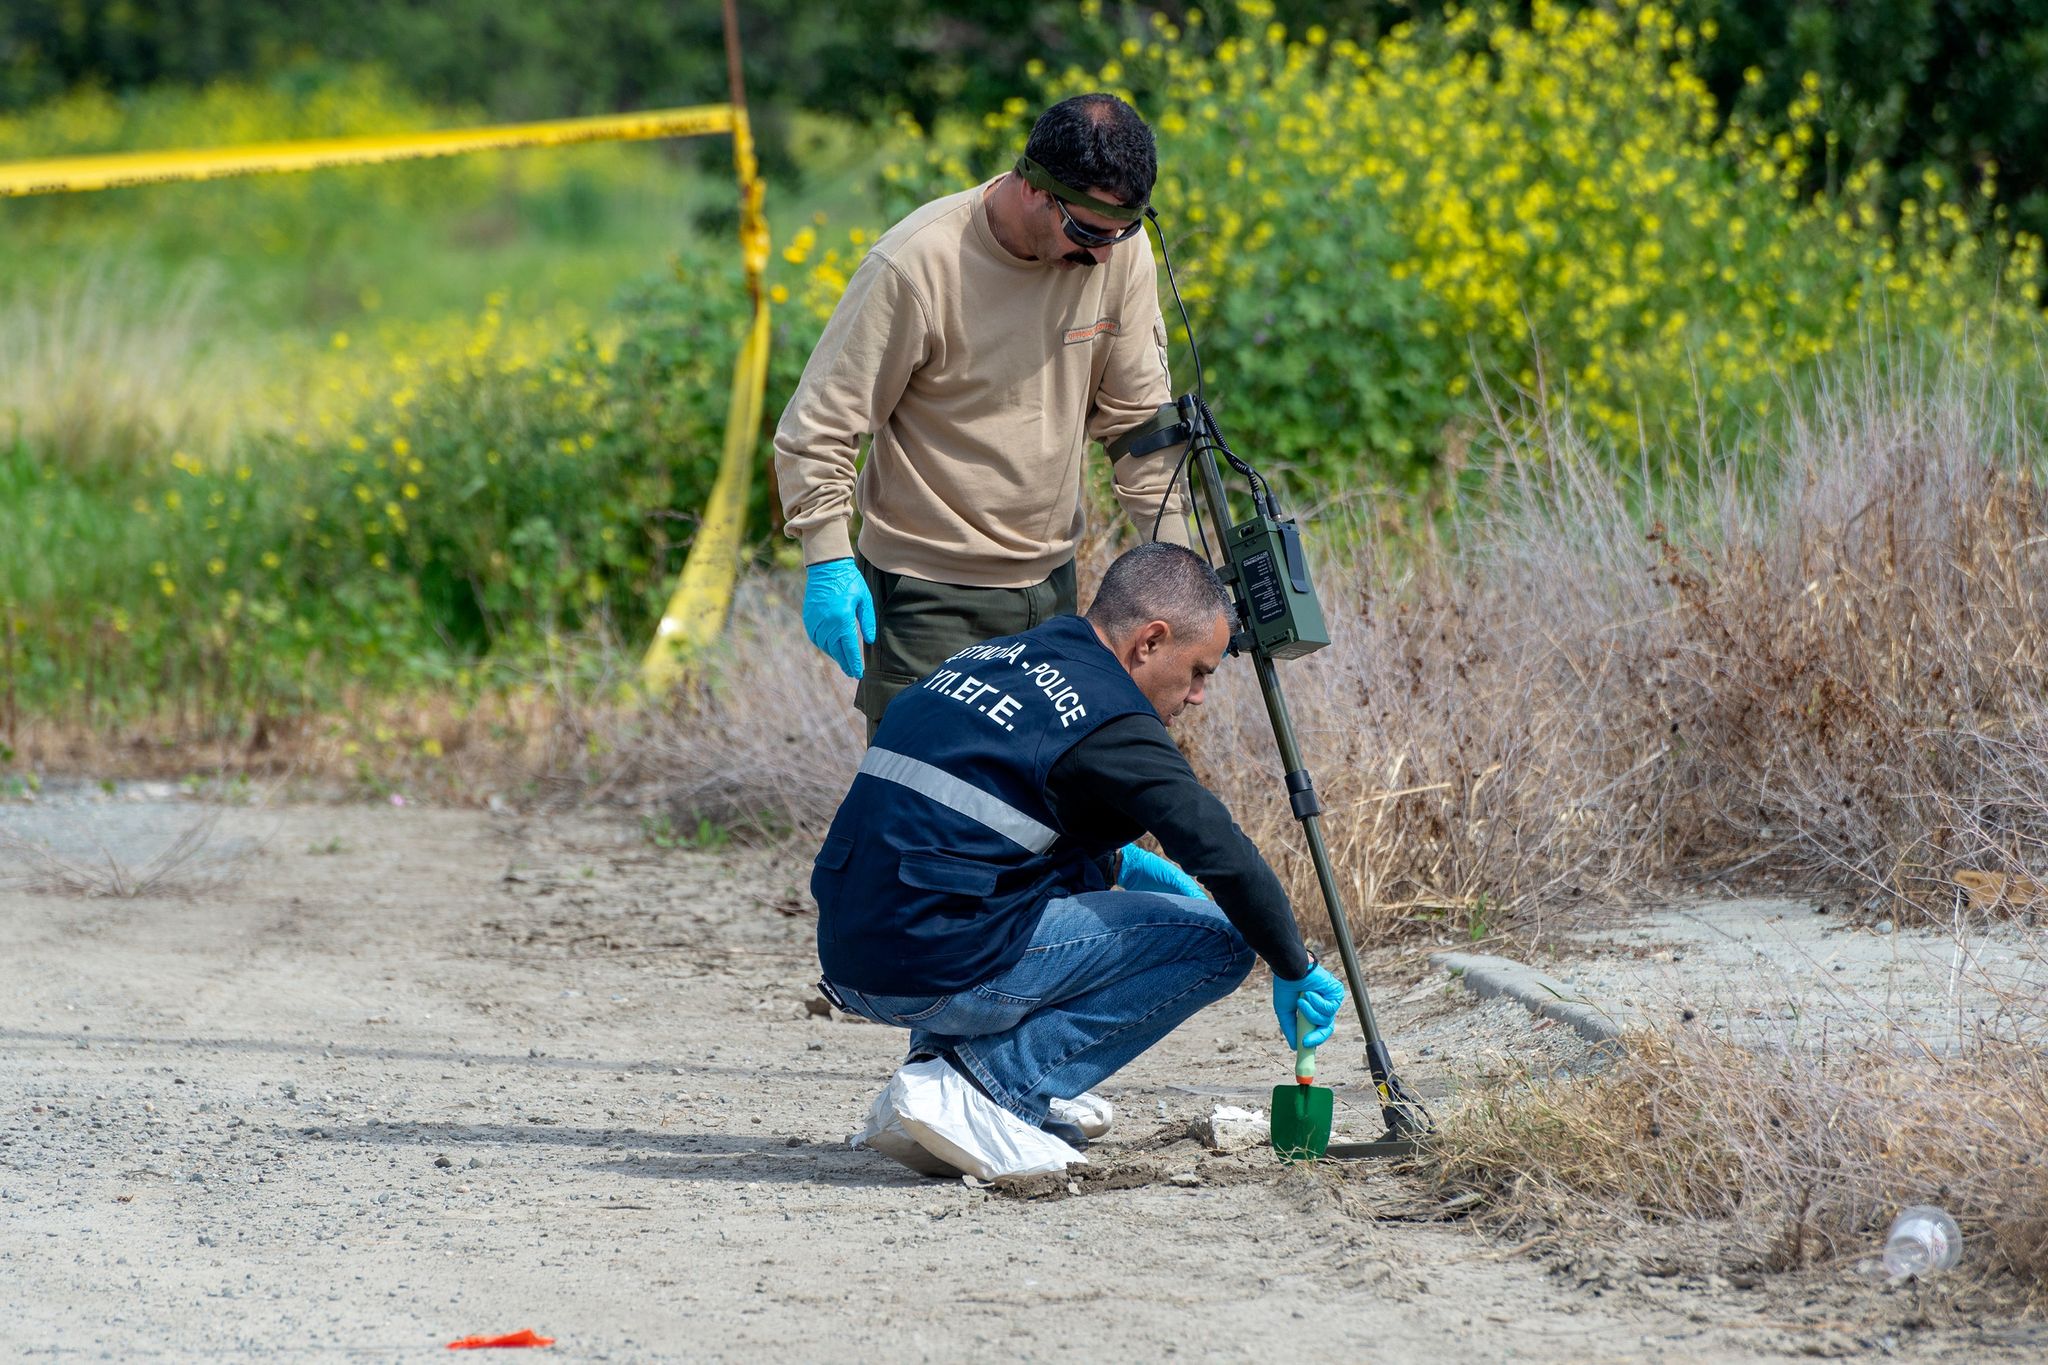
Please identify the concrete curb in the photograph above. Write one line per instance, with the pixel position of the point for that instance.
(1538, 992)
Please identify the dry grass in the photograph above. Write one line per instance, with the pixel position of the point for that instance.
(1805, 1158)
(765, 738)
(109, 366)
(543, 741)
(188, 864)
(1830, 674)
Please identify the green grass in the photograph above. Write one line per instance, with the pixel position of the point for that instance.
(211, 394)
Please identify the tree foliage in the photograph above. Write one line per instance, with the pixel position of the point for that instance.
(1912, 83)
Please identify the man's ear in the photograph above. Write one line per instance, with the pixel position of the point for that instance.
(1153, 636)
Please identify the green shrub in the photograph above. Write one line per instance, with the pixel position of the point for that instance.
(1554, 208)
(480, 508)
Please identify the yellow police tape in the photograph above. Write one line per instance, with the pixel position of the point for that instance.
(696, 612)
(113, 170)
(697, 609)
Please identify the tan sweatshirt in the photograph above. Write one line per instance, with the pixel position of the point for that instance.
(982, 378)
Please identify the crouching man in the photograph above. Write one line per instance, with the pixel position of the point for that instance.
(964, 891)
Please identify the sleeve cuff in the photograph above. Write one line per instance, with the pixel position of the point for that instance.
(1173, 529)
(827, 540)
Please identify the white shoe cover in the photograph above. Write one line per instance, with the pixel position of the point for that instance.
(884, 1133)
(950, 1122)
(1087, 1111)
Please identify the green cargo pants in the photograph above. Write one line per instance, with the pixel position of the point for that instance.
(919, 625)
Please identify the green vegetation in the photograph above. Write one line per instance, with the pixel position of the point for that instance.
(1552, 211)
(271, 445)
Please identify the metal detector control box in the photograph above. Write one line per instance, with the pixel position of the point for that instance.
(1283, 618)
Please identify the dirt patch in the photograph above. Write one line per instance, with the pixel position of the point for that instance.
(420, 1074)
(1375, 1191)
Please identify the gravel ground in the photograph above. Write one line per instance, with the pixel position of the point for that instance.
(376, 1078)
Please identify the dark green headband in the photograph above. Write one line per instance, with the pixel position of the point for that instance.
(1041, 178)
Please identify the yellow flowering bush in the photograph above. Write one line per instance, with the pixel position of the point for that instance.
(1556, 208)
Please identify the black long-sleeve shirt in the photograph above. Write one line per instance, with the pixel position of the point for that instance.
(1127, 778)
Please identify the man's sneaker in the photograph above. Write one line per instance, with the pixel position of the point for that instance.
(1087, 1111)
(1068, 1133)
(946, 1119)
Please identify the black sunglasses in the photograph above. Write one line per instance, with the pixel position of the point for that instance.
(1080, 234)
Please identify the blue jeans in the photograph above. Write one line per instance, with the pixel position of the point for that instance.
(1107, 975)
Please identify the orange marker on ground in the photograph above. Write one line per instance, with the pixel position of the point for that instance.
(528, 1337)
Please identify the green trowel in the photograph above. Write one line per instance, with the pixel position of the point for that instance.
(1302, 1111)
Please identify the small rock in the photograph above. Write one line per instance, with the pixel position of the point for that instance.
(443, 1162)
(1883, 926)
(1185, 1179)
(818, 1007)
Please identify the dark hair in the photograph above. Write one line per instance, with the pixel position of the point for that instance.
(1096, 141)
(1160, 581)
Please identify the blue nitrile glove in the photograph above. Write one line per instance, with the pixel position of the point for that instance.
(838, 613)
(1317, 995)
(1147, 871)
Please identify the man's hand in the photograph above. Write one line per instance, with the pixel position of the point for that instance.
(1317, 995)
(838, 612)
(1146, 871)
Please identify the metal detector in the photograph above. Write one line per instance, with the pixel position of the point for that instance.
(1278, 617)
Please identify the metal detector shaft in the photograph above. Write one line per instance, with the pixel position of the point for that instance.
(1404, 1115)
(1301, 792)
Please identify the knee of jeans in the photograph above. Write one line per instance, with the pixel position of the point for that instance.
(1233, 955)
(1241, 960)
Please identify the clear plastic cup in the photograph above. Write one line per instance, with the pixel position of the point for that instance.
(1923, 1239)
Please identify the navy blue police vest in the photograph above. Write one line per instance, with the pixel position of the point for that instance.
(944, 852)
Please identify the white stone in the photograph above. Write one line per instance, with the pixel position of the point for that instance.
(1230, 1129)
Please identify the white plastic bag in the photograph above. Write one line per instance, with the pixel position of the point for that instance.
(928, 1117)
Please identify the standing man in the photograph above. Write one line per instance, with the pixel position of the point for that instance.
(964, 887)
(982, 344)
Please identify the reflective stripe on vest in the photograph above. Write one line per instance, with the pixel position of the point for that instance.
(950, 792)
